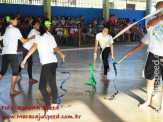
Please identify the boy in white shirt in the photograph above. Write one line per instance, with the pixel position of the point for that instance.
(153, 69)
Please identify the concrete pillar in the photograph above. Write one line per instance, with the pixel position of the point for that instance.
(106, 10)
(47, 7)
(148, 7)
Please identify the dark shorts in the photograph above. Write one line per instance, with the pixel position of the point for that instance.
(153, 67)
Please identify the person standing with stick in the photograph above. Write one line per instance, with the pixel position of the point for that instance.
(106, 46)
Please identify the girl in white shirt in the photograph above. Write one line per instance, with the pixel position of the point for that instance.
(106, 45)
(26, 47)
(9, 51)
(46, 45)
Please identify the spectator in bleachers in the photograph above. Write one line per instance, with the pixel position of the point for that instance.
(83, 34)
(25, 26)
(133, 33)
(73, 20)
(77, 20)
(101, 26)
(39, 19)
(82, 21)
(141, 31)
(128, 31)
(68, 21)
(76, 30)
(18, 18)
(113, 20)
(54, 21)
(46, 16)
(66, 31)
(102, 21)
(90, 34)
(59, 20)
(60, 31)
(72, 33)
(63, 20)
(31, 18)
(95, 23)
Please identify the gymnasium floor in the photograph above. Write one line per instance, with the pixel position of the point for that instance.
(80, 99)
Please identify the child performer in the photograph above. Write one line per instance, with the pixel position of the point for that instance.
(106, 44)
(26, 47)
(46, 45)
(9, 51)
(154, 39)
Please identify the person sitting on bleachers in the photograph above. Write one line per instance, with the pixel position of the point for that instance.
(73, 21)
(60, 31)
(95, 23)
(72, 34)
(54, 21)
(77, 20)
(63, 20)
(68, 21)
(58, 20)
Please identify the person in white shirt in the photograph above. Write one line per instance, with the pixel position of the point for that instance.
(60, 31)
(106, 45)
(63, 21)
(46, 45)
(154, 39)
(77, 20)
(26, 47)
(54, 21)
(9, 51)
(73, 21)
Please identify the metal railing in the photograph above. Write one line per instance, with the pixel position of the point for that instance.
(84, 38)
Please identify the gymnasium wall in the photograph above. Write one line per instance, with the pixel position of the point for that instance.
(88, 13)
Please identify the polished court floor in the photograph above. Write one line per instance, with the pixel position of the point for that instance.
(80, 100)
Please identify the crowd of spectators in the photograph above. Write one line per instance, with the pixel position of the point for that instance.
(118, 24)
(67, 27)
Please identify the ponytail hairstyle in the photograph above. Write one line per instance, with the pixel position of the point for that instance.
(44, 26)
(7, 22)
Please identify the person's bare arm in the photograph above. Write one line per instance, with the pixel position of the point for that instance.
(137, 48)
(155, 21)
(27, 40)
(112, 51)
(57, 49)
(95, 49)
(31, 51)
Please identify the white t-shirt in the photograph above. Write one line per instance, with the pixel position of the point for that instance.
(63, 22)
(46, 44)
(1, 37)
(154, 39)
(59, 30)
(29, 44)
(10, 40)
(54, 22)
(104, 41)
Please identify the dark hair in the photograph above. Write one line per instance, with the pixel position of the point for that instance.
(43, 28)
(158, 4)
(106, 27)
(33, 23)
(6, 24)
